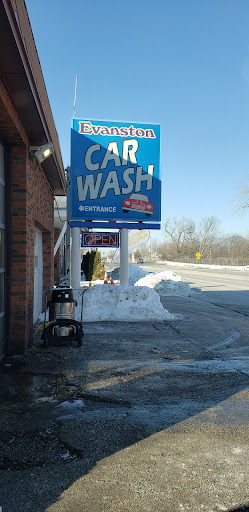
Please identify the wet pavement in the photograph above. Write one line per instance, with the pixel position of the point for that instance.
(144, 416)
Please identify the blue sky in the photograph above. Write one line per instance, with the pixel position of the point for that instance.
(181, 63)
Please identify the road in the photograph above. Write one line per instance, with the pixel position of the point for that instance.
(222, 287)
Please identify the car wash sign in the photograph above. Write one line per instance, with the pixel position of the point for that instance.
(115, 171)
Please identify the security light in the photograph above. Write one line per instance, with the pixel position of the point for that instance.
(42, 152)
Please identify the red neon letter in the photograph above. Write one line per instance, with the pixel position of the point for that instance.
(113, 239)
(103, 239)
(97, 238)
(88, 239)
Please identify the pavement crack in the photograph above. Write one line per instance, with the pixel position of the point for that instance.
(155, 327)
(103, 399)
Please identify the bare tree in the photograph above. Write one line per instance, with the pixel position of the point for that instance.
(181, 232)
(242, 197)
(163, 251)
(208, 233)
(233, 246)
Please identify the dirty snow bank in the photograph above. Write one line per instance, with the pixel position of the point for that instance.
(123, 304)
(165, 283)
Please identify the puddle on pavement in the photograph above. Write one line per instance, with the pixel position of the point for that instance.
(25, 387)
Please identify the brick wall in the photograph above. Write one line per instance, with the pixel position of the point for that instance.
(30, 204)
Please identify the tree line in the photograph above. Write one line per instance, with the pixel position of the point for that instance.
(183, 239)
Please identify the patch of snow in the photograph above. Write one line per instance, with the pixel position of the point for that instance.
(123, 304)
(70, 405)
(165, 283)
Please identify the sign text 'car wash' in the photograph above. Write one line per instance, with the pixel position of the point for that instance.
(100, 240)
(115, 171)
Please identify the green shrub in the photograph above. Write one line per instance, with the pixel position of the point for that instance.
(91, 261)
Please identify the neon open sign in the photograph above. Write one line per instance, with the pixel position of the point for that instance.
(100, 240)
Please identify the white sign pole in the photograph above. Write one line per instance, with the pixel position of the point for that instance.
(124, 267)
(75, 257)
(68, 235)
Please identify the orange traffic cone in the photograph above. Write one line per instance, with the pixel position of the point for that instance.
(111, 281)
(105, 278)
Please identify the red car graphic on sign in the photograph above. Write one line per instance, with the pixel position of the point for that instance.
(138, 202)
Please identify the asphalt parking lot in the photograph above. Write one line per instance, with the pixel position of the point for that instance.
(144, 416)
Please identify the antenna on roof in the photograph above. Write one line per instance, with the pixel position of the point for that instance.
(75, 92)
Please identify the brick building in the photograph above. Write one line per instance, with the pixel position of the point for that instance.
(27, 187)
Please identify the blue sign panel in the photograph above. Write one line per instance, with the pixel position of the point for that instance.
(115, 171)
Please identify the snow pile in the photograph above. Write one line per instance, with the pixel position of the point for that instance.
(165, 283)
(123, 304)
(135, 273)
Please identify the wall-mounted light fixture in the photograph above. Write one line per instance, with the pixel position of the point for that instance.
(42, 152)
